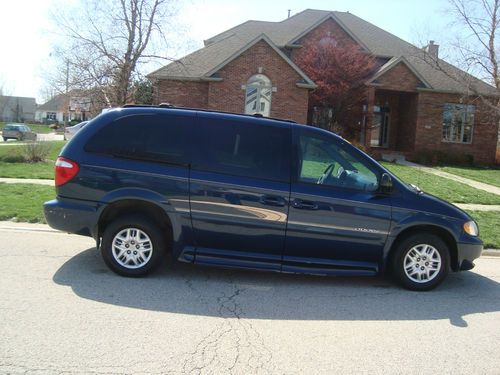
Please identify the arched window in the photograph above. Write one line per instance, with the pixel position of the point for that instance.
(258, 95)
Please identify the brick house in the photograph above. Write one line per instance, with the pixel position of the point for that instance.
(415, 102)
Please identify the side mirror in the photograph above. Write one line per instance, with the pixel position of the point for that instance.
(385, 184)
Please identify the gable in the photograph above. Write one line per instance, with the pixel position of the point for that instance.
(398, 77)
(328, 28)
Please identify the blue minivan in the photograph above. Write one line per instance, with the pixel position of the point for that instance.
(244, 191)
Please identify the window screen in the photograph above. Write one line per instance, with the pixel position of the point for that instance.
(144, 137)
(243, 149)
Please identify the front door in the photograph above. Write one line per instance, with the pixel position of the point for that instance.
(239, 193)
(338, 222)
(380, 127)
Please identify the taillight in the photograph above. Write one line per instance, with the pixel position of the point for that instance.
(65, 170)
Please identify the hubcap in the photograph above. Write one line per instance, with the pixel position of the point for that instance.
(137, 239)
(422, 263)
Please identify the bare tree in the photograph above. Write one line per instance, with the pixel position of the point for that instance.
(475, 49)
(109, 40)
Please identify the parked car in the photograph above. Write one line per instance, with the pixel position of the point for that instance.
(243, 191)
(70, 131)
(19, 132)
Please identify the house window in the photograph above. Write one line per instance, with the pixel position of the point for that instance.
(258, 95)
(458, 123)
(51, 116)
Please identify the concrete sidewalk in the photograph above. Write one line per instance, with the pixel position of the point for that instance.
(34, 181)
(450, 176)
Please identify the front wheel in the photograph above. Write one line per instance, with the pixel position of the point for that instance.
(5, 139)
(132, 246)
(421, 262)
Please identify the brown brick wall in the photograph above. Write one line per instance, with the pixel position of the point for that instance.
(405, 137)
(399, 78)
(329, 28)
(288, 102)
(429, 128)
(182, 93)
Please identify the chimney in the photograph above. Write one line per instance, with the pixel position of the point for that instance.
(432, 49)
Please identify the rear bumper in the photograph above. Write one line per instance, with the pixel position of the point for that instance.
(467, 253)
(72, 216)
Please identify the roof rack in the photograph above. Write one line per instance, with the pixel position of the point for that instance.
(168, 105)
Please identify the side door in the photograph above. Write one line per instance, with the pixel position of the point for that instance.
(338, 221)
(239, 191)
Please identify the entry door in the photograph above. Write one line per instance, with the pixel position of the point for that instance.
(338, 222)
(239, 193)
(380, 127)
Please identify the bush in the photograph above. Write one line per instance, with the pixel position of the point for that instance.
(35, 152)
(436, 157)
(14, 158)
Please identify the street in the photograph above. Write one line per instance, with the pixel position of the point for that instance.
(63, 311)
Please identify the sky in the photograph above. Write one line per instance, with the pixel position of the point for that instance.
(29, 35)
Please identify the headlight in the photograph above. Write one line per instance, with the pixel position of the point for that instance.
(471, 228)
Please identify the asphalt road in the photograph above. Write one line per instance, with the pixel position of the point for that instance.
(62, 311)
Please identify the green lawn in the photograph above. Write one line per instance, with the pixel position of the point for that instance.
(441, 187)
(23, 202)
(37, 128)
(27, 170)
(489, 222)
(486, 175)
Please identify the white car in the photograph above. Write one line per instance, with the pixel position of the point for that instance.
(70, 131)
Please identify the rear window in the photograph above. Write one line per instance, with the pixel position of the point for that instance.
(243, 149)
(148, 137)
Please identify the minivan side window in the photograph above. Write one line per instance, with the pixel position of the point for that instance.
(243, 149)
(148, 137)
(323, 161)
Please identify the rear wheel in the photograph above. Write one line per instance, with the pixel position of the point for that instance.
(5, 139)
(421, 262)
(132, 245)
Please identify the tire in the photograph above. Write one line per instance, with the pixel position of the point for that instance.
(5, 139)
(118, 251)
(421, 247)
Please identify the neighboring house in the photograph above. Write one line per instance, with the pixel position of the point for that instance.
(17, 109)
(56, 110)
(412, 105)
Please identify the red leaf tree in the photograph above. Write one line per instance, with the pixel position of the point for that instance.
(340, 72)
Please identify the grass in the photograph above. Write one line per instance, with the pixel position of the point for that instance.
(37, 128)
(489, 222)
(485, 175)
(21, 169)
(441, 187)
(23, 202)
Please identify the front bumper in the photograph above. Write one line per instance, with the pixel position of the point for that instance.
(467, 252)
(72, 216)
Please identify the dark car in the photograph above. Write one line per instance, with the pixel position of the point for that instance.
(19, 132)
(242, 191)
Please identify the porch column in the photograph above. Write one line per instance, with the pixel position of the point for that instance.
(369, 115)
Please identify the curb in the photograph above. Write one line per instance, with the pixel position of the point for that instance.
(491, 252)
(29, 227)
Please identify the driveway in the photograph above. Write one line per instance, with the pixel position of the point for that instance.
(62, 310)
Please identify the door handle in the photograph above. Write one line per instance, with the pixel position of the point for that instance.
(273, 200)
(304, 205)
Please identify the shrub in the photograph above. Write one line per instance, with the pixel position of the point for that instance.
(35, 152)
(436, 157)
(14, 158)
